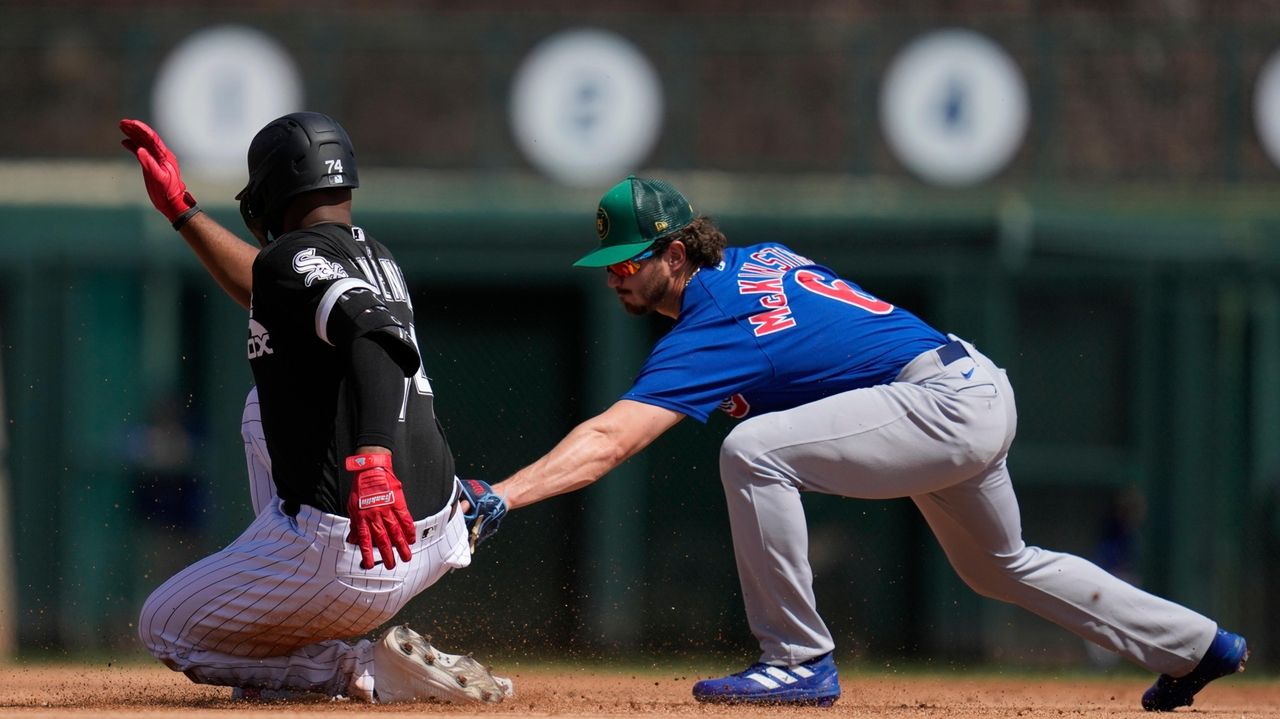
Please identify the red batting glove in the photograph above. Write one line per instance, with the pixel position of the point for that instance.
(377, 510)
(159, 170)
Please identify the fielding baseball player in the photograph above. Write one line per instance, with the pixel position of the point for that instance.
(844, 393)
(341, 411)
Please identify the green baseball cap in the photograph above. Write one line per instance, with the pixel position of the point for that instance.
(631, 215)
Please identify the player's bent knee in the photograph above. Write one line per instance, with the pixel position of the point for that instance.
(992, 576)
(150, 638)
(734, 465)
(166, 650)
(986, 586)
(151, 631)
(159, 648)
(744, 446)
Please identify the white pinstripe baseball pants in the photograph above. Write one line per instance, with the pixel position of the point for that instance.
(939, 434)
(272, 608)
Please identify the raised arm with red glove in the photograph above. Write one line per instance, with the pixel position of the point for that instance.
(227, 258)
(160, 173)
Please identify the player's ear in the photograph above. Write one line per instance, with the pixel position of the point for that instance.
(675, 254)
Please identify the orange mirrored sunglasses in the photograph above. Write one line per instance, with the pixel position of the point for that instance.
(626, 268)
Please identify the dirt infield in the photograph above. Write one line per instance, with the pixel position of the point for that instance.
(152, 691)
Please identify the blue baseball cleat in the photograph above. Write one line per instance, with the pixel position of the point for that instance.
(1226, 655)
(814, 682)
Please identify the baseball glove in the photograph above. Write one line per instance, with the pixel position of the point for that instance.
(486, 513)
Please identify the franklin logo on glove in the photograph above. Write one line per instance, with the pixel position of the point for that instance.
(377, 500)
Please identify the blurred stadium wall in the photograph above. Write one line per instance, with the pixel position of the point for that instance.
(1122, 260)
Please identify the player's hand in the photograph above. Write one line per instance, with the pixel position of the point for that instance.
(485, 512)
(379, 517)
(159, 170)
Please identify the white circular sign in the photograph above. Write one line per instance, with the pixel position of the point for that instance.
(216, 90)
(1266, 107)
(586, 107)
(954, 107)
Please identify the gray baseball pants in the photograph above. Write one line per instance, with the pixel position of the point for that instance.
(938, 434)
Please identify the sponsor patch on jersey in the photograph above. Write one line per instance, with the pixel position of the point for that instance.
(377, 500)
(316, 268)
(735, 406)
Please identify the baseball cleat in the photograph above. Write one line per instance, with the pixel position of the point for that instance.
(406, 667)
(814, 682)
(1227, 655)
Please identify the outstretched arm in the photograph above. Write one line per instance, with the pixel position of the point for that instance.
(226, 257)
(589, 452)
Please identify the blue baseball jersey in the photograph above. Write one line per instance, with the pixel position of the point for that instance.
(767, 330)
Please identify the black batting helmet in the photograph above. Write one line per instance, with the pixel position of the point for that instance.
(297, 153)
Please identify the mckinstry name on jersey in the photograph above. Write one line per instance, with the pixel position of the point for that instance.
(768, 329)
(314, 292)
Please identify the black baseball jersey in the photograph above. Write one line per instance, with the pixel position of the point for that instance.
(316, 290)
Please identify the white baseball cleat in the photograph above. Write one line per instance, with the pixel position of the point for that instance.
(406, 667)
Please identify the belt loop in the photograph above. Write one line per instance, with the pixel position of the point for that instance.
(457, 497)
(951, 351)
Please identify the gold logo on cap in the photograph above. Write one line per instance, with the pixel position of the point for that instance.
(602, 223)
(660, 225)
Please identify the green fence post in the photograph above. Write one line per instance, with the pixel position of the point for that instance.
(34, 394)
(615, 531)
(1190, 356)
(1261, 511)
(1228, 490)
(100, 340)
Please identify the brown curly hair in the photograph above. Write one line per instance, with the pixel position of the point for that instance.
(704, 243)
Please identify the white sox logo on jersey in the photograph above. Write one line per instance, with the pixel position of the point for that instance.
(316, 268)
(259, 340)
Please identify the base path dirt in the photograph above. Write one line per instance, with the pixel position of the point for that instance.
(41, 690)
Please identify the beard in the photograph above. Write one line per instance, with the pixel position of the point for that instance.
(645, 298)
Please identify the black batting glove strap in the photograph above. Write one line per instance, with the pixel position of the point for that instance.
(185, 217)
